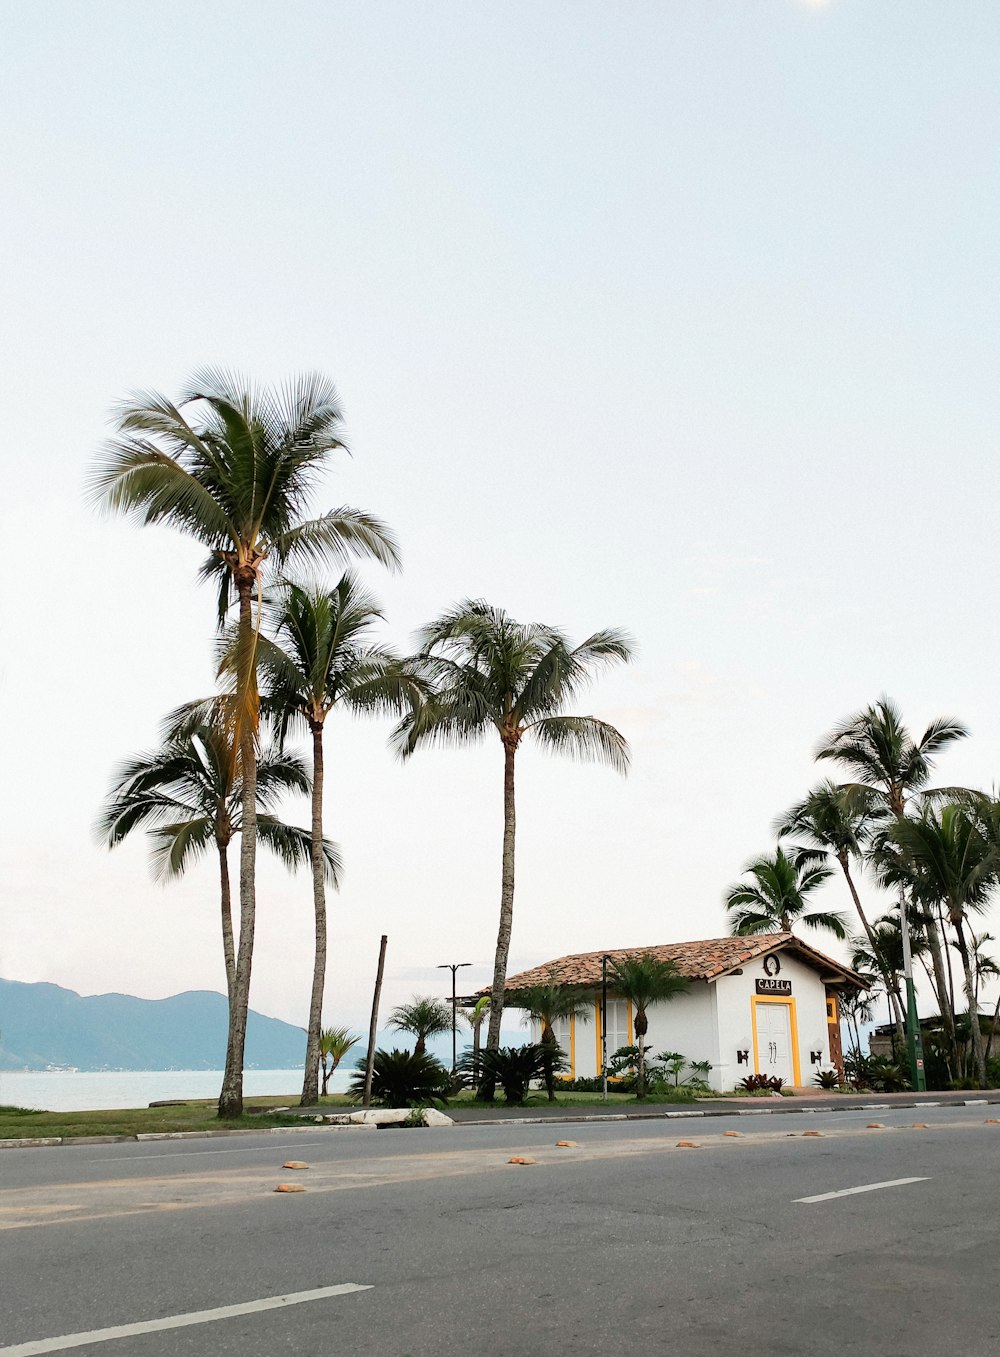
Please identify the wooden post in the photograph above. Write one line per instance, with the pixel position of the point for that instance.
(370, 1063)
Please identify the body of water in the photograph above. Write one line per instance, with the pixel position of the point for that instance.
(82, 1091)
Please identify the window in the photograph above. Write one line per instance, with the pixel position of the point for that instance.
(617, 1025)
(560, 1030)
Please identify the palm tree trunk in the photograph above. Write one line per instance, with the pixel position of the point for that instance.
(941, 987)
(310, 1081)
(640, 1066)
(947, 955)
(228, 944)
(549, 1041)
(487, 1088)
(993, 1029)
(895, 1001)
(970, 991)
(231, 1096)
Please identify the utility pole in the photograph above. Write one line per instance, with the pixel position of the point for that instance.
(370, 1062)
(604, 1026)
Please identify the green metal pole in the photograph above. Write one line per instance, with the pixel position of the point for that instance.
(914, 1046)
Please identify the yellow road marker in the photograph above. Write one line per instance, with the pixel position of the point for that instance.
(289, 1187)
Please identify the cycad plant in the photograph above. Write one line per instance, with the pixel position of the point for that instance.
(187, 795)
(233, 466)
(643, 979)
(776, 896)
(497, 677)
(321, 657)
(403, 1079)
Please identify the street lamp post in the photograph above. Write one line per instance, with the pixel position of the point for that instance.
(454, 967)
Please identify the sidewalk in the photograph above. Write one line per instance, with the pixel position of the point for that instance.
(719, 1107)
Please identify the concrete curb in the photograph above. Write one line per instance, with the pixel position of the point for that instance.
(556, 1119)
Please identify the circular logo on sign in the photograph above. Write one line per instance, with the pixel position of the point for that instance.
(772, 965)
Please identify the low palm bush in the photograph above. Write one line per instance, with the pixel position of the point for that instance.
(514, 1068)
(403, 1079)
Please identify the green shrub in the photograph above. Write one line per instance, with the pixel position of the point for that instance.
(827, 1079)
(514, 1068)
(403, 1079)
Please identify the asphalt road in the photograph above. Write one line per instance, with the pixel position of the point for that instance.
(623, 1240)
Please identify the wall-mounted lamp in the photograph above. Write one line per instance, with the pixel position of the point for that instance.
(815, 1057)
(743, 1057)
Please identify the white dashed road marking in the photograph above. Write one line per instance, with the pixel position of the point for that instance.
(828, 1196)
(251, 1307)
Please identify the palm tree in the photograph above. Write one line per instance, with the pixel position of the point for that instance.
(777, 896)
(547, 1004)
(953, 864)
(187, 795)
(839, 821)
(984, 966)
(423, 1017)
(334, 1043)
(494, 674)
(643, 979)
(876, 750)
(234, 466)
(321, 658)
(475, 1017)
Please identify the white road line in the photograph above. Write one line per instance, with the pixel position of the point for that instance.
(251, 1307)
(189, 1154)
(828, 1196)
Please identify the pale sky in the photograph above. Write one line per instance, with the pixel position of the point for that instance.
(679, 317)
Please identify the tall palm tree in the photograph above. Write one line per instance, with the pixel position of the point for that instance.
(187, 796)
(877, 751)
(234, 466)
(321, 658)
(643, 979)
(777, 896)
(547, 1004)
(334, 1043)
(839, 821)
(514, 679)
(423, 1017)
(952, 863)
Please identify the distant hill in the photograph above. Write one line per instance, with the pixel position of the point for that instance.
(42, 1025)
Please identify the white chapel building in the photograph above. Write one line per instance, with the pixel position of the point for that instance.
(766, 1004)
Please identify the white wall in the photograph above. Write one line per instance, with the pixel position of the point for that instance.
(735, 1021)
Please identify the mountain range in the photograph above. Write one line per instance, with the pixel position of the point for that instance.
(44, 1025)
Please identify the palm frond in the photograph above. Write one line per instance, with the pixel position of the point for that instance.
(584, 738)
(293, 846)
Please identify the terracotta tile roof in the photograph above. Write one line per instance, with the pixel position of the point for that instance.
(705, 960)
